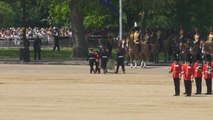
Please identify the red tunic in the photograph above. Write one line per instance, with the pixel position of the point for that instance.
(212, 63)
(176, 69)
(197, 69)
(97, 57)
(207, 70)
(187, 72)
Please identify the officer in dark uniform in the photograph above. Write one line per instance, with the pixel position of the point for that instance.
(37, 48)
(91, 58)
(120, 61)
(104, 59)
(56, 39)
(110, 46)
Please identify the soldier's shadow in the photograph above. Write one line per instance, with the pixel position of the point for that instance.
(202, 95)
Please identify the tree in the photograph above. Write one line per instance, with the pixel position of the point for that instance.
(80, 47)
(6, 15)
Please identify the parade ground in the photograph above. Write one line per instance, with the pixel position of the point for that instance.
(69, 92)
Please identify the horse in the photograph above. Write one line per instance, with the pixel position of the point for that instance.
(194, 48)
(189, 48)
(206, 47)
(167, 46)
(183, 51)
(134, 53)
(162, 43)
(144, 53)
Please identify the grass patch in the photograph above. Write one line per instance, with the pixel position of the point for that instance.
(46, 54)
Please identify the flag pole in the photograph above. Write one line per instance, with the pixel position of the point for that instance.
(120, 20)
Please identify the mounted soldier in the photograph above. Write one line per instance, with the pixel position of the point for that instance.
(136, 37)
(159, 39)
(182, 36)
(134, 45)
(197, 38)
(210, 37)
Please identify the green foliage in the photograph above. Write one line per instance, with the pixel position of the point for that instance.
(158, 13)
(194, 13)
(59, 13)
(99, 16)
(93, 21)
(6, 15)
(159, 22)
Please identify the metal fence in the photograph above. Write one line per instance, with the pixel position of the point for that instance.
(93, 41)
(11, 43)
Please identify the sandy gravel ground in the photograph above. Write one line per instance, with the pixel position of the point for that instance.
(67, 92)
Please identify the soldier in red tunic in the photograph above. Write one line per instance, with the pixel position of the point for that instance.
(97, 62)
(187, 72)
(207, 70)
(197, 70)
(175, 69)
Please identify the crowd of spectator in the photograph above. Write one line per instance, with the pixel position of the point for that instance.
(15, 34)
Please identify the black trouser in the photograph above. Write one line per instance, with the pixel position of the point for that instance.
(198, 81)
(177, 86)
(56, 45)
(91, 64)
(209, 85)
(37, 52)
(188, 87)
(97, 69)
(103, 64)
(120, 63)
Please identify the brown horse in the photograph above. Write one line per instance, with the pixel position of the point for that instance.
(153, 50)
(183, 51)
(207, 47)
(194, 48)
(134, 53)
(165, 48)
(144, 53)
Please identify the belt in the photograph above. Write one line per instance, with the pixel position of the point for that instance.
(120, 56)
(104, 56)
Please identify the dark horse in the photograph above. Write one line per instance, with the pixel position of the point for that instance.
(167, 46)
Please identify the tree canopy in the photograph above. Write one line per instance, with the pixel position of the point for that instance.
(99, 14)
(166, 14)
